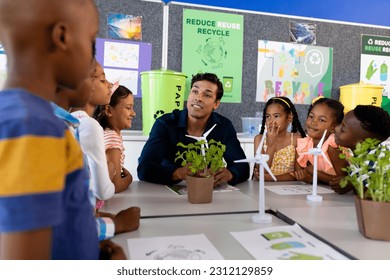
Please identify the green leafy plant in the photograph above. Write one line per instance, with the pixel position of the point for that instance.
(202, 165)
(369, 171)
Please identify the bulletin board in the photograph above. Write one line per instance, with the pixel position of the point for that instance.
(344, 39)
(152, 32)
(123, 61)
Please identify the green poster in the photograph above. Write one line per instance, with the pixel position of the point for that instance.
(213, 42)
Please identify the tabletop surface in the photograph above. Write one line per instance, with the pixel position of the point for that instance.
(338, 225)
(165, 213)
(157, 200)
(215, 227)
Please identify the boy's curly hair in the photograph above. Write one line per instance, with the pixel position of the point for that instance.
(374, 119)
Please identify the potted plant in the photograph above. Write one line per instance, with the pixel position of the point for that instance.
(369, 173)
(203, 159)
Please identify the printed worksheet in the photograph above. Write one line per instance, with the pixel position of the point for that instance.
(285, 243)
(181, 247)
(297, 189)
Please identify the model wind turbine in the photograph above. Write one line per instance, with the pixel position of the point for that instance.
(203, 137)
(316, 152)
(261, 159)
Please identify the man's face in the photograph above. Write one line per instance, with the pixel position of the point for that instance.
(350, 132)
(202, 99)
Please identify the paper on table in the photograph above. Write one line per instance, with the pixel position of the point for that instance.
(297, 189)
(180, 247)
(181, 189)
(285, 243)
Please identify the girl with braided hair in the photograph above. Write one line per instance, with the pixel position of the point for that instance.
(280, 144)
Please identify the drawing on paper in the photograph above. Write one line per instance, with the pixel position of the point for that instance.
(180, 247)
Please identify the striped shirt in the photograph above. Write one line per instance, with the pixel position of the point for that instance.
(114, 141)
(43, 177)
(105, 226)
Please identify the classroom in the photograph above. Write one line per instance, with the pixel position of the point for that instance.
(282, 68)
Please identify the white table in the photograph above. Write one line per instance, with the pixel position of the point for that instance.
(159, 201)
(275, 201)
(164, 212)
(215, 227)
(338, 225)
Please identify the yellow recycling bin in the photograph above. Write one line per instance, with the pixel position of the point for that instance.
(360, 94)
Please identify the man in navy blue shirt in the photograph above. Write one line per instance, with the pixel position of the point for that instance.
(157, 161)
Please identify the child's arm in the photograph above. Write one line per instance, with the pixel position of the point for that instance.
(302, 174)
(335, 184)
(271, 140)
(270, 152)
(256, 142)
(121, 184)
(27, 245)
(337, 163)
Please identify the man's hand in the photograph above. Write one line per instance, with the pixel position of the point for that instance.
(223, 175)
(180, 173)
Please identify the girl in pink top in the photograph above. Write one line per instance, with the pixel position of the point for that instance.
(114, 118)
(324, 114)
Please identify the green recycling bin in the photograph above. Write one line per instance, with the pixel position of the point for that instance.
(162, 92)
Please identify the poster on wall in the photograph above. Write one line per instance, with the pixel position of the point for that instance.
(124, 26)
(299, 72)
(123, 61)
(375, 64)
(375, 61)
(3, 66)
(213, 42)
(303, 33)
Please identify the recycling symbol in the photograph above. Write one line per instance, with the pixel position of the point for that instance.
(370, 42)
(158, 113)
(315, 58)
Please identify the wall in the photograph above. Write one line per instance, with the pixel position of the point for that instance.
(344, 38)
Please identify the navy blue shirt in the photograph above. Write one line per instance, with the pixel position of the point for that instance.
(157, 161)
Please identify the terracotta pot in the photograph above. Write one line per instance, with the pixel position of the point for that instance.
(373, 218)
(200, 190)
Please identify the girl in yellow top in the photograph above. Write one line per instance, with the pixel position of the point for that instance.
(278, 114)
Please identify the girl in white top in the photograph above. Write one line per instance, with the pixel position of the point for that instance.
(114, 118)
(92, 143)
(92, 138)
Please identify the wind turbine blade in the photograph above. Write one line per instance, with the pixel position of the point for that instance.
(266, 167)
(322, 140)
(246, 160)
(194, 137)
(208, 131)
(326, 158)
(259, 148)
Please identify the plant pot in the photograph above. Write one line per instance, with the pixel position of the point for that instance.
(200, 190)
(373, 218)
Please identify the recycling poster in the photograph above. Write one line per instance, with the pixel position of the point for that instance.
(299, 72)
(213, 42)
(375, 64)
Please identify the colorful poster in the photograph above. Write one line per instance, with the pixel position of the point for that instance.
(213, 42)
(375, 64)
(299, 72)
(124, 26)
(123, 61)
